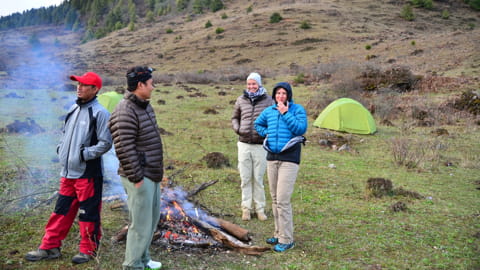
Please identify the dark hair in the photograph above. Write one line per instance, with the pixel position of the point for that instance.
(138, 74)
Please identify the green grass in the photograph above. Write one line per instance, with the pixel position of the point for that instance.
(336, 225)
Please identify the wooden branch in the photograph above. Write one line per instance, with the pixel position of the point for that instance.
(233, 229)
(121, 235)
(230, 241)
(201, 187)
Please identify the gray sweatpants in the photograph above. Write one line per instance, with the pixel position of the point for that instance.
(144, 213)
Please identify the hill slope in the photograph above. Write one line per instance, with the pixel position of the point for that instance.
(340, 31)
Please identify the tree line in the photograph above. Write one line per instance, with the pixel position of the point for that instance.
(100, 17)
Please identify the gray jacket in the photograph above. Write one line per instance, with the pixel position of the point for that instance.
(85, 138)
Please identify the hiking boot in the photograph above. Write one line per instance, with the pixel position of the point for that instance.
(246, 215)
(153, 265)
(43, 254)
(272, 241)
(261, 216)
(81, 258)
(283, 247)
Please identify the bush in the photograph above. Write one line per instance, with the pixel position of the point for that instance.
(305, 25)
(422, 3)
(208, 24)
(445, 14)
(249, 9)
(224, 16)
(407, 13)
(300, 78)
(275, 18)
(169, 31)
(475, 4)
(368, 47)
(469, 101)
(219, 30)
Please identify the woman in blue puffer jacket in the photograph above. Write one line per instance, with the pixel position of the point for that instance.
(283, 124)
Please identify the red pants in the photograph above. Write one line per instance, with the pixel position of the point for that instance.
(82, 195)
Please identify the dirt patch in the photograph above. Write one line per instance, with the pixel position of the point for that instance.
(216, 160)
(29, 126)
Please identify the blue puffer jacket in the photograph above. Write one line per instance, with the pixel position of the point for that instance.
(280, 129)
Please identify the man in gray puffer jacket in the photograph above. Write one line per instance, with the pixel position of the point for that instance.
(138, 146)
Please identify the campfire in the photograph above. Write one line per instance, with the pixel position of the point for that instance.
(184, 225)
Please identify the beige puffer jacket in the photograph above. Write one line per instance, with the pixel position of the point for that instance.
(244, 114)
(137, 140)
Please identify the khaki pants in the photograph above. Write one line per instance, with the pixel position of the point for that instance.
(144, 213)
(281, 179)
(252, 162)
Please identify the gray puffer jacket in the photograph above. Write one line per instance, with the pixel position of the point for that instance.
(137, 140)
(244, 114)
(85, 139)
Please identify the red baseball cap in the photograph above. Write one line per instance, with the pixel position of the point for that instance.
(89, 78)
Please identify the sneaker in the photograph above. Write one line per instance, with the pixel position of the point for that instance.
(43, 254)
(283, 247)
(81, 258)
(261, 216)
(246, 215)
(153, 265)
(272, 241)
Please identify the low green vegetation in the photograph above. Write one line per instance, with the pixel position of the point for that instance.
(407, 13)
(208, 24)
(275, 17)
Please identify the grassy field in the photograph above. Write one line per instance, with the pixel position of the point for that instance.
(337, 224)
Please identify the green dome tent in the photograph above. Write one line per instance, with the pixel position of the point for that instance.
(346, 115)
(109, 100)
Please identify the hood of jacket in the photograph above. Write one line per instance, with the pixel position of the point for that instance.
(285, 86)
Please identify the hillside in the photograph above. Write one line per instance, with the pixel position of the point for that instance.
(340, 32)
(409, 74)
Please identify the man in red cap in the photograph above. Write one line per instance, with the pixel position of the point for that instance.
(85, 139)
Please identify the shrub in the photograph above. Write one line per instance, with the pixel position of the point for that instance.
(445, 14)
(407, 152)
(249, 9)
(131, 26)
(413, 43)
(216, 5)
(407, 13)
(469, 101)
(181, 4)
(422, 3)
(33, 40)
(475, 4)
(224, 16)
(169, 31)
(150, 16)
(300, 78)
(305, 25)
(219, 30)
(368, 47)
(208, 24)
(275, 18)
